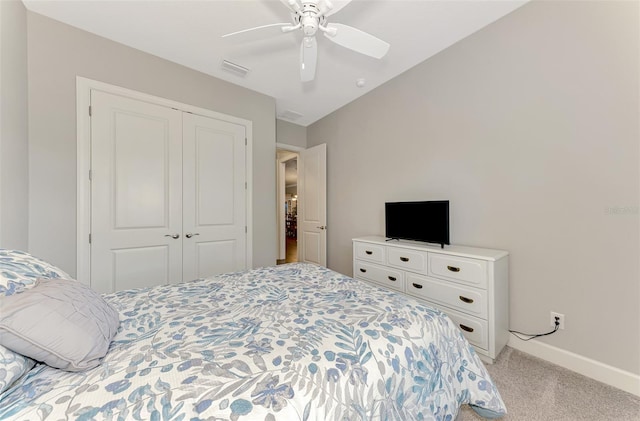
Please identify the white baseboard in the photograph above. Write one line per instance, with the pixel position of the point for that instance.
(593, 369)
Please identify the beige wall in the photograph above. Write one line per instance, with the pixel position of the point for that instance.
(530, 128)
(57, 54)
(14, 163)
(291, 134)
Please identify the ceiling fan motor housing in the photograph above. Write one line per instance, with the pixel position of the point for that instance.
(309, 18)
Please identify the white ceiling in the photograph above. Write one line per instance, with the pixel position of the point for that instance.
(189, 32)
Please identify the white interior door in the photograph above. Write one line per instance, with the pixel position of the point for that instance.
(136, 199)
(214, 202)
(312, 205)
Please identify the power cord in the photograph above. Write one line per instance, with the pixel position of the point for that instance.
(536, 335)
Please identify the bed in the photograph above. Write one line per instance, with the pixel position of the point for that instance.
(291, 342)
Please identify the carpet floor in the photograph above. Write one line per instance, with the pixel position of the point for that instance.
(533, 389)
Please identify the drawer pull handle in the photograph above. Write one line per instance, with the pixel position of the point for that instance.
(453, 269)
(466, 300)
(363, 270)
(404, 259)
(369, 252)
(392, 278)
(417, 285)
(466, 328)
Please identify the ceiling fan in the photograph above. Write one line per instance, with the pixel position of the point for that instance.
(309, 16)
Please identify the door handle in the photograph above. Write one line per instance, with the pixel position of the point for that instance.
(189, 235)
(323, 227)
(174, 236)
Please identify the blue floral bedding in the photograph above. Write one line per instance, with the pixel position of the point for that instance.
(292, 342)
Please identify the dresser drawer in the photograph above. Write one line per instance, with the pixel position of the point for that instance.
(381, 275)
(371, 252)
(460, 269)
(468, 300)
(469, 284)
(475, 330)
(407, 259)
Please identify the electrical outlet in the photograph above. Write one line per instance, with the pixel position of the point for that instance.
(560, 319)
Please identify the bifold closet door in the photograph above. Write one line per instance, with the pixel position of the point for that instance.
(136, 193)
(214, 197)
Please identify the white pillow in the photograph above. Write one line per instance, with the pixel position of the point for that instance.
(19, 271)
(63, 323)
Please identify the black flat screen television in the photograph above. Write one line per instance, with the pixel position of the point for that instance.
(418, 221)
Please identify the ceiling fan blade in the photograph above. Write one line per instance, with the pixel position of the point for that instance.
(357, 40)
(308, 59)
(292, 6)
(258, 28)
(334, 6)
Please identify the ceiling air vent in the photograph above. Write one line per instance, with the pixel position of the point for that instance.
(289, 115)
(234, 68)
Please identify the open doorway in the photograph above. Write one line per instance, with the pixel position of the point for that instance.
(287, 165)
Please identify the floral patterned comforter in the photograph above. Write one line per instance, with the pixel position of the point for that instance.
(292, 342)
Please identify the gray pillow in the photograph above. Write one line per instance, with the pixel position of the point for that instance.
(60, 322)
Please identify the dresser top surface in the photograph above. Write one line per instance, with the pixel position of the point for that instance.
(452, 250)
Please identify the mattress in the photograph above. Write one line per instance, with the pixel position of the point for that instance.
(291, 342)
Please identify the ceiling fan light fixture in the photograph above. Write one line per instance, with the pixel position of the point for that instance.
(309, 25)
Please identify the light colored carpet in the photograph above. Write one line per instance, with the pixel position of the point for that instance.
(533, 390)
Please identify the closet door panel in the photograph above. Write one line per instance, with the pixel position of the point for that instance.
(129, 273)
(214, 177)
(136, 200)
(214, 257)
(141, 169)
(214, 197)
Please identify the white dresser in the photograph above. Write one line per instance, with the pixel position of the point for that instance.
(471, 285)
